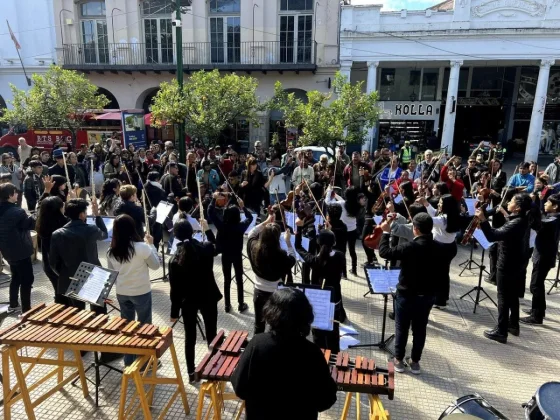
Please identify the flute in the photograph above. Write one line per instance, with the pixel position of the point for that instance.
(92, 181)
(145, 212)
(68, 183)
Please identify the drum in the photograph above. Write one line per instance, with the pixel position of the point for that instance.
(474, 405)
(545, 404)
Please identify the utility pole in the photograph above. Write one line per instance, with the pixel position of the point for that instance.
(179, 75)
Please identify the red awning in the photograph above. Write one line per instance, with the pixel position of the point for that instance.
(148, 119)
(115, 116)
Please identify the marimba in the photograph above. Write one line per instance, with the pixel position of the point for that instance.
(352, 376)
(63, 328)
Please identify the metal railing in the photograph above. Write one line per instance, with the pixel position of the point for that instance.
(195, 54)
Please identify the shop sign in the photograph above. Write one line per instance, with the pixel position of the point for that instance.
(425, 110)
(414, 109)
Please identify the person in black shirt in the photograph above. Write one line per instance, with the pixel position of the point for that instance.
(230, 243)
(128, 204)
(58, 167)
(171, 182)
(415, 294)
(544, 258)
(193, 286)
(283, 354)
(327, 267)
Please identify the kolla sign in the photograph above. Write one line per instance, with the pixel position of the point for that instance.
(414, 109)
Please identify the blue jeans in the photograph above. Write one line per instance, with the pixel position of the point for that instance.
(131, 306)
(281, 196)
(411, 311)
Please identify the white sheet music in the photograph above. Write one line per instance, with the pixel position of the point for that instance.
(383, 281)
(378, 219)
(108, 224)
(397, 199)
(197, 236)
(470, 205)
(253, 223)
(290, 220)
(94, 285)
(304, 244)
(323, 308)
(163, 209)
(479, 235)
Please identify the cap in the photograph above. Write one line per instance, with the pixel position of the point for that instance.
(57, 154)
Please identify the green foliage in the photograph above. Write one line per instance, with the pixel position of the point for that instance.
(58, 99)
(326, 121)
(207, 104)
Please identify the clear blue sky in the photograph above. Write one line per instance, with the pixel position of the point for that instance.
(400, 4)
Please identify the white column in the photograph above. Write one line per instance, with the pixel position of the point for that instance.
(371, 86)
(537, 116)
(345, 68)
(451, 106)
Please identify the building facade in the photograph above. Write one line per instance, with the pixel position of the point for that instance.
(128, 47)
(467, 70)
(35, 33)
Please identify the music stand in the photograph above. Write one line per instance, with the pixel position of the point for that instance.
(102, 280)
(320, 299)
(556, 280)
(481, 239)
(380, 286)
(165, 276)
(468, 264)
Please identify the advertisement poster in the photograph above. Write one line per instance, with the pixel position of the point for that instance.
(98, 137)
(134, 130)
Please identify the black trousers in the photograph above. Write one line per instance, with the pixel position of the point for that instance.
(442, 291)
(508, 300)
(352, 236)
(411, 311)
(53, 278)
(538, 277)
(368, 230)
(21, 283)
(209, 313)
(306, 273)
(237, 262)
(259, 299)
(493, 254)
(521, 279)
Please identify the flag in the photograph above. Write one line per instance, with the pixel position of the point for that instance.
(16, 43)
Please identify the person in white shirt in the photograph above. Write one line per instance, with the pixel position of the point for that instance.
(275, 184)
(185, 208)
(24, 150)
(132, 258)
(446, 225)
(303, 171)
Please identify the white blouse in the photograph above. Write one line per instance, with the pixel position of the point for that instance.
(349, 221)
(440, 224)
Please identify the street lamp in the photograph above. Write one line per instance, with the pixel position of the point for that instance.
(60, 23)
(113, 22)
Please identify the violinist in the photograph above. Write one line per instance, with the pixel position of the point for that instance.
(450, 177)
(354, 170)
(542, 191)
(427, 166)
(513, 243)
(497, 183)
(390, 173)
(306, 210)
(470, 175)
(322, 171)
(401, 227)
(275, 183)
(544, 259)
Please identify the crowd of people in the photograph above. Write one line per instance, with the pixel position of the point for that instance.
(416, 207)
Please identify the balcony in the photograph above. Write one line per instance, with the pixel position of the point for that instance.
(244, 56)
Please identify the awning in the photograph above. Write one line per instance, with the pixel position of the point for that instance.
(115, 116)
(148, 119)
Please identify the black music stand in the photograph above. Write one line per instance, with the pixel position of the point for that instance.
(481, 268)
(165, 277)
(383, 344)
(81, 277)
(468, 264)
(320, 302)
(556, 280)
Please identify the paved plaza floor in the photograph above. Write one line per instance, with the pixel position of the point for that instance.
(457, 360)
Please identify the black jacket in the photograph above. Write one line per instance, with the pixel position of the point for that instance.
(546, 242)
(253, 192)
(56, 169)
(15, 237)
(171, 184)
(278, 265)
(413, 255)
(230, 237)
(194, 284)
(301, 376)
(134, 211)
(33, 187)
(72, 244)
(341, 234)
(513, 244)
(155, 194)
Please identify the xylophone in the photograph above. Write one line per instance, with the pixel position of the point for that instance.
(352, 376)
(63, 328)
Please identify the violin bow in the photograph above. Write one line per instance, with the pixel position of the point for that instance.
(314, 199)
(143, 186)
(127, 174)
(508, 187)
(229, 185)
(92, 182)
(281, 210)
(201, 208)
(404, 201)
(68, 183)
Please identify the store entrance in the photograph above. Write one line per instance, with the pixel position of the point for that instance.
(416, 131)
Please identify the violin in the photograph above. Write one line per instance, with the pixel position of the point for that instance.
(221, 200)
(288, 201)
(379, 203)
(373, 239)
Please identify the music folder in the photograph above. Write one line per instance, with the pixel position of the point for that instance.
(91, 284)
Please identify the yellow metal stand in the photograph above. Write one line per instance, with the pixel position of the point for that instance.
(376, 410)
(215, 390)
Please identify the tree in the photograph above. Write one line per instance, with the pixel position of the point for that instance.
(207, 104)
(58, 99)
(325, 121)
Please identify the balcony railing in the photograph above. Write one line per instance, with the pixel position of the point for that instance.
(258, 55)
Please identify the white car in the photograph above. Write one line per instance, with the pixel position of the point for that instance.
(317, 151)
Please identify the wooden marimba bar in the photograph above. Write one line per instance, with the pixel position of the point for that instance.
(63, 328)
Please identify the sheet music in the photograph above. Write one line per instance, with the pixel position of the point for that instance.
(290, 220)
(347, 330)
(346, 341)
(304, 244)
(479, 235)
(197, 236)
(532, 238)
(470, 202)
(163, 209)
(253, 223)
(397, 199)
(383, 281)
(94, 285)
(318, 221)
(323, 308)
(108, 224)
(378, 219)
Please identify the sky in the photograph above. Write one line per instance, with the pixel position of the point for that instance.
(400, 4)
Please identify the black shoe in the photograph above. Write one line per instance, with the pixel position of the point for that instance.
(489, 280)
(242, 307)
(228, 309)
(191, 378)
(495, 335)
(514, 331)
(391, 315)
(531, 320)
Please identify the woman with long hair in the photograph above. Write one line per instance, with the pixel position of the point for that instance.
(350, 210)
(513, 245)
(50, 218)
(252, 186)
(269, 262)
(327, 267)
(132, 257)
(109, 197)
(55, 186)
(438, 190)
(447, 223)
(193, 286)
(280, 354)
(112, 167)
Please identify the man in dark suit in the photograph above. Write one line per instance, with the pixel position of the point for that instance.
(58, 167)
(415, 293)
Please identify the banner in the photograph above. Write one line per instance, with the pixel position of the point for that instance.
(98, 137)
(134, 130)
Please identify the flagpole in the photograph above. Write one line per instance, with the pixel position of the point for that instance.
(16, 44)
